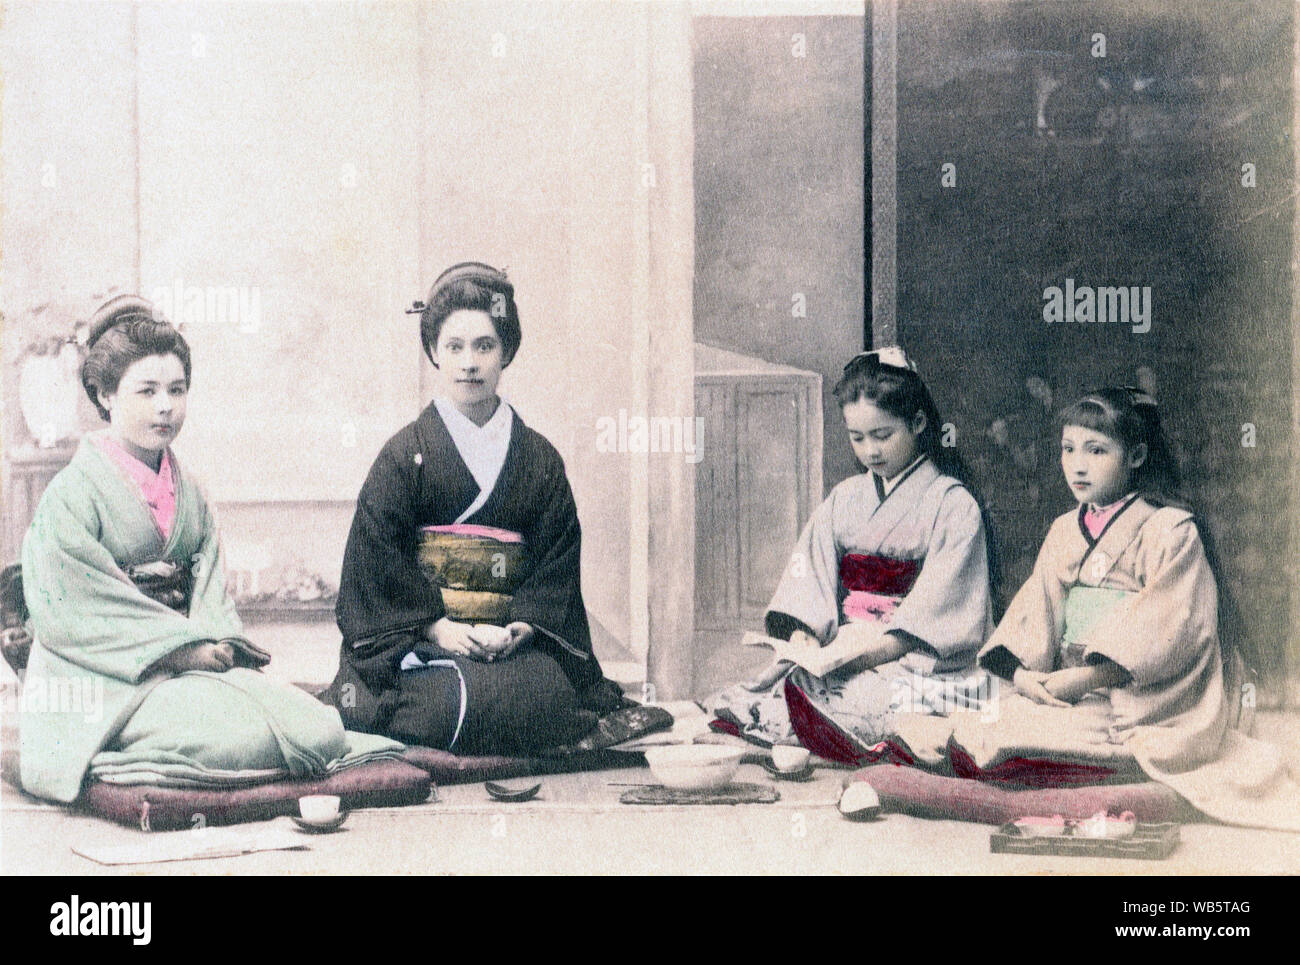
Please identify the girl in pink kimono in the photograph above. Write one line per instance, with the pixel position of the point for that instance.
(892, 569)
(1113, 645)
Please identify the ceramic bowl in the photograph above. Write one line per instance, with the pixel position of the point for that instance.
(859, 802)
(788, 758)
(1107, 826)
(322, 827)
(805, 773)
(318, 808)
(694, 767)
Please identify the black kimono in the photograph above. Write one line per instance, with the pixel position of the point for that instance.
(549, 691)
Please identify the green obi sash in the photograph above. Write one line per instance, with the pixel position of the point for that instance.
(1084, 606)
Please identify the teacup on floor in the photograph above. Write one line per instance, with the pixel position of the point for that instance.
(318, 808)
(788, 757)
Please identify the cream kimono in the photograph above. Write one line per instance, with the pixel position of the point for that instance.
(914, 559)
(92, 704)
(1142, 595)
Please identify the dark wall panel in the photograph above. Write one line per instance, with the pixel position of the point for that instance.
(1116, 170)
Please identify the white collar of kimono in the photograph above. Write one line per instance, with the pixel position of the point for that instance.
(482, 447)
(899, 476)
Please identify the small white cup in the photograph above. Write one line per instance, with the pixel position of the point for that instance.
(318, 808)
(787, 757)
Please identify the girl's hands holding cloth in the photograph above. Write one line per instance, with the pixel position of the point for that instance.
(870, 644)
(779, 668)
(1071, 683)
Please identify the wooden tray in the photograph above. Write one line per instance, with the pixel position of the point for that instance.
(731, 794)
(1150, 842)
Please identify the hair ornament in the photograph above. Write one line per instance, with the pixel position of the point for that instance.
(891, 356)
(1139, 396)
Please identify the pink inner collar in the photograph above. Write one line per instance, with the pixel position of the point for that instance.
(1096, 517)
(158, 489)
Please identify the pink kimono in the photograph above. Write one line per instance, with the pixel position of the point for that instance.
(1141, 594)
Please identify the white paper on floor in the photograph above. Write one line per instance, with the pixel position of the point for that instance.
(193, 845)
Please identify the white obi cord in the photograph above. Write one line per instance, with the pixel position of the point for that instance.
(412, 661)
(483, 447)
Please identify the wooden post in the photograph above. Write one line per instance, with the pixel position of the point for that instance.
(670, 362)
(884, 172)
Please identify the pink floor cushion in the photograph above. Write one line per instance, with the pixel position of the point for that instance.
(907, 790)
(381, 783)
(448, 768)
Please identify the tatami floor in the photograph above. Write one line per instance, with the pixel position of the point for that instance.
(577, 825)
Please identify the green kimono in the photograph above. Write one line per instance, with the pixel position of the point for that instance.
(91, 704)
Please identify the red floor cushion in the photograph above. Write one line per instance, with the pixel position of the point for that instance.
(382, 783)
(907, 790)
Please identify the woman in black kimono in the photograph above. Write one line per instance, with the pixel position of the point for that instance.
(406, 667)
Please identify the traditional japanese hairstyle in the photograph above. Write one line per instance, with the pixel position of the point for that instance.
(123, 330)
(475, 286)
(888, 378)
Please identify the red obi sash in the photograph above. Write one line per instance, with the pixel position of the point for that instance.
(875, 585)
(878, 574)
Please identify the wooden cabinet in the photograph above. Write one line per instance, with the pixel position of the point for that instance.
(28, 470)
(756, 485)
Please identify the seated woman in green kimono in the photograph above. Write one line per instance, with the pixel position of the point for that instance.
(140, 672)
(417, 662)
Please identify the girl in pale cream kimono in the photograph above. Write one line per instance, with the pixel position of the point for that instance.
(892, 570)
(140, 672)
(1113, 645)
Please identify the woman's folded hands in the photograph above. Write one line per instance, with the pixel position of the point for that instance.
(479, 641)
(211, 655)
(1069, 685)
(1033, 684)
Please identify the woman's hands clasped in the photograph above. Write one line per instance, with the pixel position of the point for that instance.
(210, 655)
(1038, 687)
(479, 641)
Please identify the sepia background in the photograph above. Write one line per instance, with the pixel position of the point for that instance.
(706, 209)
